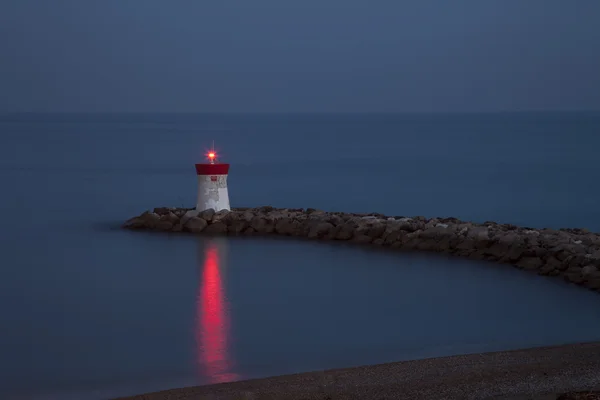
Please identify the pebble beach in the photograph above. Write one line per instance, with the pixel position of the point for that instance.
(547, 373)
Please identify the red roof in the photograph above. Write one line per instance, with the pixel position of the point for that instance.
(212, 169)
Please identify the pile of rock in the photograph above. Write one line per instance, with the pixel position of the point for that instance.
(571, 253)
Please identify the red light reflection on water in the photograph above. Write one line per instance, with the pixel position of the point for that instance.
(213, 323)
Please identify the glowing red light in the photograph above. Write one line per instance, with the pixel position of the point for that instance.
(211, 155)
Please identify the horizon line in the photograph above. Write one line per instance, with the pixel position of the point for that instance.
(5, 113)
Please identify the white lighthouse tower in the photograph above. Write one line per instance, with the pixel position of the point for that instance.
(212, 184)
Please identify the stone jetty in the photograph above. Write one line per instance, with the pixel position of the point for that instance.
(573, 254)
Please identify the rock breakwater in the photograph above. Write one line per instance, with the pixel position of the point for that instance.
(573, 254)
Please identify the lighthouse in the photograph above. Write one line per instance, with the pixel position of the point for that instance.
(212, 184)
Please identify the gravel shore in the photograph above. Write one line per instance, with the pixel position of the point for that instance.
(539, 373)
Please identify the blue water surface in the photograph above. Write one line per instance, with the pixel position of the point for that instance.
(91, 311)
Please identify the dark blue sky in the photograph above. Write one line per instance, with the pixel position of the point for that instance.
(305, 56)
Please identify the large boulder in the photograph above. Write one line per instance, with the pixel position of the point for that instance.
(262, 224)
(345, 231)
(376, 230)
(207, 215)
(508, 239)
(150, 220)
(247, 215)
(166, 221)
(286, 226)
(436, 233)
(237, 226)
(411, 240)
(320, 230)
(573, 261)
(594, 255)
(224, 216)
(551, 267)
(564, 250)
(407, 224)
(195, 225)
(164, 225)
(479, 233)
(170, 216)
(335, 219)
(589, 270)
(187, 216)
(574, 274)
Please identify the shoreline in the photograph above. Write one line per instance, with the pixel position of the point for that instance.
(542, 373)
(573, 254)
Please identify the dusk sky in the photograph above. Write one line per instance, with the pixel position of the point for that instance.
(299, 56)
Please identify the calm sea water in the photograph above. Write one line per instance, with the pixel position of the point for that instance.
(90, 311)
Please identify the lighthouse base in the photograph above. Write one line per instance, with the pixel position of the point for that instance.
(212, 193)
(217, 202)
